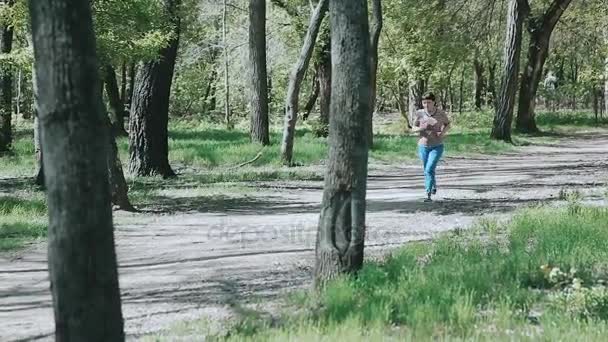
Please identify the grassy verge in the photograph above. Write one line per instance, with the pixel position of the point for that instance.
(21, 221)
(541, 277)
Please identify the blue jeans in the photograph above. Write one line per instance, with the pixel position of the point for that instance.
(430, 156)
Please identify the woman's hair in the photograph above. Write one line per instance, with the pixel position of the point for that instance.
(429, 96)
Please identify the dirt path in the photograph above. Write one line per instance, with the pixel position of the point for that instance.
(212, 252)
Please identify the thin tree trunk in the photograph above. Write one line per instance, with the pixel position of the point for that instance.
(310, 104)
(123, 82)
(129, 92)
(518, 10)
(540, 29)
(81, 253)
(118, 185)
(606, 87)
(259, 76)
(341, 230)
(323, 69)
(416, 91)
(491, 83)
(295, 82)
(479, 81)
(148, 124)
(117, 115)
(226, 75)
(376, 28)
(6, 87)
(461, 92)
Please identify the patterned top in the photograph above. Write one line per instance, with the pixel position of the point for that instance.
(432, 124)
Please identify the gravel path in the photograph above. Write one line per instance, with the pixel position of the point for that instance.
(199, 256)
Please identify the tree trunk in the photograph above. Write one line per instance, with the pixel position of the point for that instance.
(226, 75)
(461, 92)
(39, 180)
(479, 81)
(518, 10)
(6, 87)
(295, 82)
(117, 113)
(606, 87)
(491, 99)
(259, 76)
(123, 82)
(310, 104)
(416, 91)
(148, 124)
(118, 185)
(323, 67)
(81, 254)
(540, 29)
(129, 91)
(341, 230)
(376, 28)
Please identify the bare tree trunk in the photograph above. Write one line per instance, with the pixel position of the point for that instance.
(416, 90)
(606, 86)
(323, 70)
(540, 29)
(461, 92)
(81, 254)
(129, 92)
(148, 124)
(6, 87)
(310, 104)
(479, 81)
(259, 76)
(518, 10)
(295, 82)
(491, 83)
(117, 114)
(123, 82)
(376, 28)
(226, 75)
(341, 230)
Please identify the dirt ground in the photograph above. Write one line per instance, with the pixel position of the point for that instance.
(191, 256)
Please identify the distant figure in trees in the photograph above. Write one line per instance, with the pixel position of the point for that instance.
(432, 124)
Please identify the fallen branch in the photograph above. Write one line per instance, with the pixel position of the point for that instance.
(249, 161)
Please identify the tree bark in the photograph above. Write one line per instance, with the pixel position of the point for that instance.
(81, 254)
(492, 83)
(295, 82)
(606, 87)
(479, 83)
(259, 76)
(341, 229)
(376, 28)
(6, 87)
(148, 124)
(310, 104)
(516, 14)
(118, 185)
(129, 92)
(323, 70)
(117, 111)
(416, 90)
(123, 82)
(227, 114)
(540, 29)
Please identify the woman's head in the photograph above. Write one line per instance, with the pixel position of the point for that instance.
(428, 101)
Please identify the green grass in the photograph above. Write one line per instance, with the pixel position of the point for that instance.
(541, 277)
(21, 221)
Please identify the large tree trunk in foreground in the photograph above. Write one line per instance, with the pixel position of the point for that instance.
(295, 82)
(81, 254)
(148, 124)
(376, 28)
(540, 29)
(6, 87)
(259, 76)
(117, 108)
(341, 230)
(505, 104)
